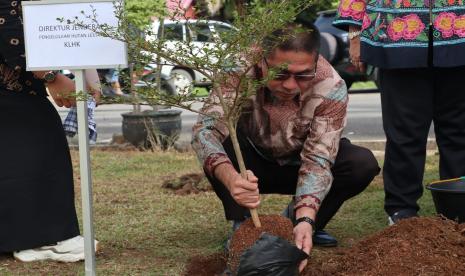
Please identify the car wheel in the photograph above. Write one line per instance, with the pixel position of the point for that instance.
(168, 88)
(328, 47)
(182, 81)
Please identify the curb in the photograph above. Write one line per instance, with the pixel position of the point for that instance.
(377, 146)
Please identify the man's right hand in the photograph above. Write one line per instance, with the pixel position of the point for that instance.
(244, 191)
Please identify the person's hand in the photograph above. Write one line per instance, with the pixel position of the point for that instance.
(96, 94)
(354, 51)
(244, 191)
(94, 87)
(62, 91)
(303, 240)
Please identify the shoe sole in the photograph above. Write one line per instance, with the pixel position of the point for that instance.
(63, 258)
(50, 255)
(326, 245)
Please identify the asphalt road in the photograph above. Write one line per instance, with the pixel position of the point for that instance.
(363, 124)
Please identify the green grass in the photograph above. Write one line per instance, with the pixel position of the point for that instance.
(200, 91)
(363, 85)
(147, 230)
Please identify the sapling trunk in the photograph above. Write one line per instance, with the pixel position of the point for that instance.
(135, 98)
(161, 36)
(240, 160)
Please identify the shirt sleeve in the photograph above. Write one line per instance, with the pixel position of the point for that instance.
(322, 144)
(208, 134)
(350, 12)
(11, 35)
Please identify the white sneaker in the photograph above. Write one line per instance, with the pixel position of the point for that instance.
(71, 250)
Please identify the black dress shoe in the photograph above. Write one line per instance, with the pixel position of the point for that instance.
(322, 238)
(401, 214)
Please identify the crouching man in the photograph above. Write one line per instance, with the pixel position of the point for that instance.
(291, 141)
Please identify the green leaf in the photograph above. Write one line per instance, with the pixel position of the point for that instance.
(422, 37)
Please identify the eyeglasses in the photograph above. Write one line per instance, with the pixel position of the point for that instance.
(284, 75)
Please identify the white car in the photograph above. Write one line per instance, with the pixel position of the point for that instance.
(201, 33)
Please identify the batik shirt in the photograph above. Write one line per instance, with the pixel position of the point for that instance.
(306, 130)
(395, 33)
(13, 76)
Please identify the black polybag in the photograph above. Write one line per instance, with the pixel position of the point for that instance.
(271, 256)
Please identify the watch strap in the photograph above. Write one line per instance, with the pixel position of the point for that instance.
(305, 219)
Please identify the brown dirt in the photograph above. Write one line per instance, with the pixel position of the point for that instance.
(247, 235)
(192, 183)
(212, 265)
(417, 246)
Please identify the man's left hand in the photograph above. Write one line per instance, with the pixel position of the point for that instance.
(303, 240)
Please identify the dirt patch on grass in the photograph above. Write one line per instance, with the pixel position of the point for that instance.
(9, 265)
(417, 246)
(243, 238)
(248, 234)
(191, 183)
(213, 265)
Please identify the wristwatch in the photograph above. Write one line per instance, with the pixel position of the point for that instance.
(353, 35)
(50, 76)
(307, 220)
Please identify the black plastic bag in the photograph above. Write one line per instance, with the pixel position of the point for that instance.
(271, 256)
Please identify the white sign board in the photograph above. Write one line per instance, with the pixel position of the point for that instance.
(54, 45)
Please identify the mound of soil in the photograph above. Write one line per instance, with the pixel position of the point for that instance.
(248, 234)
(417, 246)
(192, 183)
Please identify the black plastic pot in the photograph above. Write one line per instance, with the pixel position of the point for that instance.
(148, 127)
(449, 198)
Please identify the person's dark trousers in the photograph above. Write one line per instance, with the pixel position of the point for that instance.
(411, 99)
(354, 169)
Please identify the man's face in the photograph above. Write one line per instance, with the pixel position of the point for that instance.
(290, 80)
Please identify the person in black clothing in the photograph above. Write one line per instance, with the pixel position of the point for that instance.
(419, 50)
(37, 212)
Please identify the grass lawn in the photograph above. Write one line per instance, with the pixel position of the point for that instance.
(147, 230)
(363, 85)
(200, 91)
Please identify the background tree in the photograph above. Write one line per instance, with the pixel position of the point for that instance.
(141, 12)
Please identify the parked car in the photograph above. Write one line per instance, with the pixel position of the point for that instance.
(202, 34)
(146, 80)
(335, 48)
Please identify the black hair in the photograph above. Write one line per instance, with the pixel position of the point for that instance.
(293, 37)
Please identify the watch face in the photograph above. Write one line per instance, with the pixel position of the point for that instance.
(50, 76)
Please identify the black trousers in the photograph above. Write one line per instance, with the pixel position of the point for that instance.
(411, 99)
(354, 169)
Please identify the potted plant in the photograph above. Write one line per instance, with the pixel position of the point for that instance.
(160, 126)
